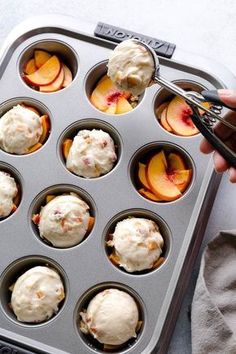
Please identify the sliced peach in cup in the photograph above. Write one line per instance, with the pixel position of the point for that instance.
(106, 97)
(123, 106)
(66, 147)
(36, 218)
(40, 57)
(149, 195)
(142, 175)
(178, 116)
(35, 147)
(161, 108)
(164, 122)
(67, 76)
(181, 178)
(49, 197)
(175, 162)
(158, 179)
(46, 128)
(30, 67)
(55, 85)
(112, 108)
(91, 223)
(46, 74)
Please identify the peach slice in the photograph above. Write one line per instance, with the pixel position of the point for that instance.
(142, 175)
(67, 76)
(178, 117)
(111, 109)
(160, 109)
(46, 128)
(181, 178)
(101, 91)
(106, 94)
(175, 162)
(36, 218)
(55, 85)
(40, 57)
(158, 179)
(49, 197)
(91, 223)
(30, 67)
(34, 147)
(164, 121)
(114, 258)
(149, 195)
(66, 147)
(123, 106)
(46, 74)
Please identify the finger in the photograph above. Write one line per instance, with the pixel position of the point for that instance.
(221, 130)
(206, 147)
(220, 163)
(228, 97)
(232, 175)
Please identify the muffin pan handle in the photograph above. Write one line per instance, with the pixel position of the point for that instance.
(6, 347)
(118, 34)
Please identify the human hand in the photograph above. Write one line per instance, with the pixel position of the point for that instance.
(225, 134)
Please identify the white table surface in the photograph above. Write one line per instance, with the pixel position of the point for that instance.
(202, 26)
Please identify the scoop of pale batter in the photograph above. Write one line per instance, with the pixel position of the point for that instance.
(20, 129)
(64, 220)
(92, 153)
(8, 190)
(111, 317)
(131, 67)
(37, 294)
(137, 243)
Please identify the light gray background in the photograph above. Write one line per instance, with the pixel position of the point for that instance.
(203, 26)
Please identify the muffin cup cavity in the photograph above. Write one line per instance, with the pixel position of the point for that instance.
(18, 268)
(38, 108)
(4, 167)
(139, 213)
(166, 173)
(82, 305)
(63, 51)
(163, 97)
(41, 200)
(90, 124)
(95, 74)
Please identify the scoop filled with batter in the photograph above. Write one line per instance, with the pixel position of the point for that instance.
(36, 294)
(111, 317)
(137, 244)
(131, 66)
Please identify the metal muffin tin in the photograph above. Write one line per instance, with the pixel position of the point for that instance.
(85, 268)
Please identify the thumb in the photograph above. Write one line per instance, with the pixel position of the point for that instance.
(228, 97)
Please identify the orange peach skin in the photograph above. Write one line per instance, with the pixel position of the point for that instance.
(40, 57)
(178, 117)
(46, 74)
(158, 179)
(30, 67)
(66, 147)
(55, 85)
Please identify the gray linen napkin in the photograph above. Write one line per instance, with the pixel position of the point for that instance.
(214, 302)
